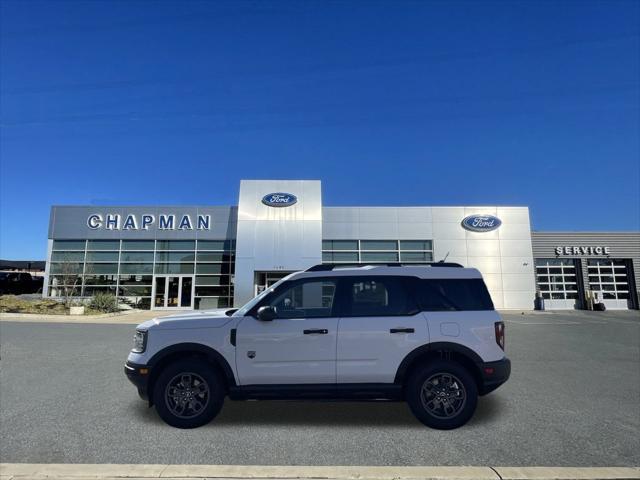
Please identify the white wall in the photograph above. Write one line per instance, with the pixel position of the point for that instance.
(276, 238)
(504, 256)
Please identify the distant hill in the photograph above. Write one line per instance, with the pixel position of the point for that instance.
(37, 265)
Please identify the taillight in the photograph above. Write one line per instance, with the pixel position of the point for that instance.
(499, 326)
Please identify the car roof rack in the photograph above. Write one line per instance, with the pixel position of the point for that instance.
(326, 267)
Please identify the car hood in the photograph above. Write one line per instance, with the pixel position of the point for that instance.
(195, 319)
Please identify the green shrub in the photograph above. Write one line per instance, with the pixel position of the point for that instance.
(104, 302)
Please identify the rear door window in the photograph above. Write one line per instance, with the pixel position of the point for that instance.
(438, 295)
(377, 296)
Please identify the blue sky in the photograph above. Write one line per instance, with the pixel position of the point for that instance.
(388, 103)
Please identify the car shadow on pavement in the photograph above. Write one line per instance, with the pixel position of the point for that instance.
(325, 413)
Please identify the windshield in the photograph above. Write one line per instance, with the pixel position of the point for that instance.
(242, 311)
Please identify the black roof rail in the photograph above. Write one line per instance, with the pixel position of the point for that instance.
(326, 267)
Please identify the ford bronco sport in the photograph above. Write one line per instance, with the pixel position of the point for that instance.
(425, 334)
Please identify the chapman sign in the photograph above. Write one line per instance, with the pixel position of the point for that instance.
(144, 222)
(589, 250)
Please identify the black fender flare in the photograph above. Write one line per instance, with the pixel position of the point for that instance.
(435, 347)
(187, 348)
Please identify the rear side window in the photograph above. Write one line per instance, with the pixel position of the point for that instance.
(453, 295)
(376, 296)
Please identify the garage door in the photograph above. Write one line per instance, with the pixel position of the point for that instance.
(557, 282)
(609, 279)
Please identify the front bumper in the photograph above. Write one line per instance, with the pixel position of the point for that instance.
(494, 374)
(139, 376)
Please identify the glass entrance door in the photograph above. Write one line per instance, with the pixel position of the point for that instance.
(264, 280)
(173, 291)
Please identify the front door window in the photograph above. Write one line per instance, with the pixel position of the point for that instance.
(185, 292)
(173, 292)
(159, 299)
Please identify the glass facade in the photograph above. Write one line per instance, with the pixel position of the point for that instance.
(377, 251)
(187, 273)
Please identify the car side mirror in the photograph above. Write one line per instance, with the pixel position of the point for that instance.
(267, 313)
(230, 312)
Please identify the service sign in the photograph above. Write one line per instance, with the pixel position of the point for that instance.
(583, 250)
(279, 199)
(481, 223)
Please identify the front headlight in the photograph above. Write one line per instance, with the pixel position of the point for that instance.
(139, 341)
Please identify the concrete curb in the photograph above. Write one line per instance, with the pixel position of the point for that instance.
(24, 471)
(129, 317)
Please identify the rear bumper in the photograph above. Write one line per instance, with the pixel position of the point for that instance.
(139, 376)
(494, 374)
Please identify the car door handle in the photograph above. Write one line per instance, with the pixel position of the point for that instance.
(318, 331)
(402, 330)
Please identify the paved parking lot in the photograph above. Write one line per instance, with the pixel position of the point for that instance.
(573, 399)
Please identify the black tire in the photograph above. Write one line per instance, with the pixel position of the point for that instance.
(182, 380)
(450, 396)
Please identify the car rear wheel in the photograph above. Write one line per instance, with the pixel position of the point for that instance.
(188, 394)
(442, 394)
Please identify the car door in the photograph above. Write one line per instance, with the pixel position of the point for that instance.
(299, 346)
(379, 325)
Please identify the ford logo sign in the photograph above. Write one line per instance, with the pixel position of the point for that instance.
(279, 199)
(481, 223)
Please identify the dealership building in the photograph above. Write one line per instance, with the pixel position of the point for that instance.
(204, 257)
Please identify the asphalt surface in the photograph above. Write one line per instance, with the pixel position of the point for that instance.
(573, 400)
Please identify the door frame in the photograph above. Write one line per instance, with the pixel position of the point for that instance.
(180, 277)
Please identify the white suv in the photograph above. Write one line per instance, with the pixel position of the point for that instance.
(426, 334)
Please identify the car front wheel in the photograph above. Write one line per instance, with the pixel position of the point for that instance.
(442, 394)
(188, 394)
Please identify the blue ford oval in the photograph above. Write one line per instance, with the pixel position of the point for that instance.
(279, 199)
(481, 223)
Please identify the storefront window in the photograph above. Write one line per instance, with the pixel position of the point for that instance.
(68, 245)
(136, 268)
(177, 268)
(138, 244)
(103, 245)
(216, 245)
(140, 257)
(175, 245)
(175, 257)
(67, 256)
(102, 256)
(377, 251)
(126, 268)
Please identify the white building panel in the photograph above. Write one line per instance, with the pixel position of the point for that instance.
(516, 248)
(447, 214)
(483, 248)
(448, 231)
(415, 230)
(485, 264)
(379, 230)
(514, 231)
(415, 215)
(513, 282)
(521, 265)
(378, 214)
